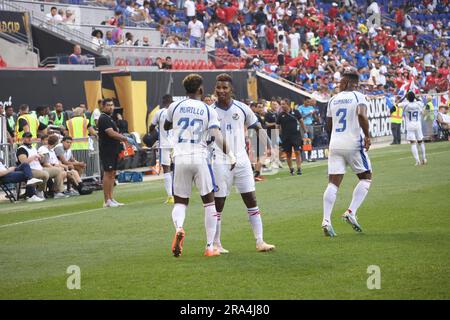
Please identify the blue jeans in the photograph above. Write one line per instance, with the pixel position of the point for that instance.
(22, 173)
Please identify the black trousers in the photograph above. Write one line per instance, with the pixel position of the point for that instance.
(396, 132)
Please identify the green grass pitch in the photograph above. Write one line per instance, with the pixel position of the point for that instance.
(124, 253)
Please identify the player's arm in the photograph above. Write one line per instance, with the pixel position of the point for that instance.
(217, 137)
(168, 125)
(364, 124)
(329, 125)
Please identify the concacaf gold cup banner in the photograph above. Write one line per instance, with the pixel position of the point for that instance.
(15, 24)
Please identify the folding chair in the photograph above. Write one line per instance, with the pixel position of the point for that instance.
(8, 190)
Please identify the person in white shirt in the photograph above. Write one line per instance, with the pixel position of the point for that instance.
(196, 31)
(412, 111)
(294, 43)
(165, 144)
(235, 117)
(194, 123)
(53, 17)
(348, 126)
(189, 7)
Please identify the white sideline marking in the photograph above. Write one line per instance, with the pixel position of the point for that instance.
(65, 215)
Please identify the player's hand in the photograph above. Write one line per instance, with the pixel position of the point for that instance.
(232, 159)
(367, 143)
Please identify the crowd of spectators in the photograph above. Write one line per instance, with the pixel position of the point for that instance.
(312, 40)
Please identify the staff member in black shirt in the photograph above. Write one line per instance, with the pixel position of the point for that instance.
(110, 146)
(289, 122)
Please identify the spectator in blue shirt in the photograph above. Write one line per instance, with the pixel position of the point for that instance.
(310, 116)
(235, 28)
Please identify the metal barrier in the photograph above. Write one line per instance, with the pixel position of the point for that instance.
(91, 157)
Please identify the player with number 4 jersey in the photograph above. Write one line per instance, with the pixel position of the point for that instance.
(348, 126)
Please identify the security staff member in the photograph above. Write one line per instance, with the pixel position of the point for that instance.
(79, 128)
(396, 123)
(27, 122)
(59, 116)
(289, 122)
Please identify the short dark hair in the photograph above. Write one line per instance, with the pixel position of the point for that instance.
(225, 77)
(53, 8)
(53, 139)
(105, 101)
(8, 107)
(24, 107)
(167, 98)
(67, 138)
(192, 83)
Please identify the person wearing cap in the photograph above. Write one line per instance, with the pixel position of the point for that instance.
(27, 154)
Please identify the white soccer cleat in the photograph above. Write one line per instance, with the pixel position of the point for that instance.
(110, 204)
(40, 194)
(221, 249)
(264, 247)
(33, 181)
(351, 219)
(118, 203)
(424, 161)
(328, 230)
(60, 195)
(418, 163)
(35, 198)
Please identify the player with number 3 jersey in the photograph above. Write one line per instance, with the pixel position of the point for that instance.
(348, 126)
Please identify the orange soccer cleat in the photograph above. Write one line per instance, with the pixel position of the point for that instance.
(211, 253)
(177, 243)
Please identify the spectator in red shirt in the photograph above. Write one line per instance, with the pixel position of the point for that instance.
(399, 16)
(410, 39)
(230, 12)
(333, 12)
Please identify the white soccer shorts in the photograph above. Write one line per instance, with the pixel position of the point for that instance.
(358, 160)
(192, 170)
(414, 134)
(241, 176)
(164, 156)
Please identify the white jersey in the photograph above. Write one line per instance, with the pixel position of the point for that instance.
(343, 109)
(191, 119)
(165, 136)
(233, 122)
(412, 112)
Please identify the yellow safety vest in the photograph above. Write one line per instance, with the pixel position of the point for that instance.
(78, 130)
(396, 116)
(33, 125)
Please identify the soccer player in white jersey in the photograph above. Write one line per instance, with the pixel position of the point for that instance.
(349, 128)
(165, 144)
(412, 111)
(193, 122)
(234, 117)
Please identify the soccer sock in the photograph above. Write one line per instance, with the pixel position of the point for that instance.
(168, 183)
(218, 228)
(178, 215)
(422, 147)
(415, 152)
(359, 194)
(329, 197)
(210, 223)
(255, 219)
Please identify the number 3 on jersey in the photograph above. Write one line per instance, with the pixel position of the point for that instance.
(341, 114)
(197, 125)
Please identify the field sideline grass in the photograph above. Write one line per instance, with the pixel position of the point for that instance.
(124, 253)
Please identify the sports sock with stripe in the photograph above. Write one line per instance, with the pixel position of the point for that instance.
(256, 222)
(178, 215)
(210, 222)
